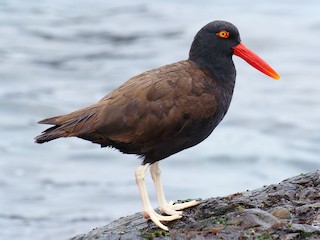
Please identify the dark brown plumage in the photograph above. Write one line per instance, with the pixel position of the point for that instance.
(154, 114)
(165, 110)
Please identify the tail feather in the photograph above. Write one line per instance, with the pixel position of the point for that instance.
(53, 120)
(73, 124)
(50, 134)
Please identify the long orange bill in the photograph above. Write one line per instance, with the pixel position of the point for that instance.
(254, 60)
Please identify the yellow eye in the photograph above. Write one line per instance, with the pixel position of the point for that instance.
(223, 34)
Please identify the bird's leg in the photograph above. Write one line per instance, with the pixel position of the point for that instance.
(148, 211)
(164, 206)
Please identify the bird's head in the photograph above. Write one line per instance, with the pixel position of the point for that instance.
(217, 41)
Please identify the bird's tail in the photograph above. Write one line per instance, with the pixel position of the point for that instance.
(68, 125)
(53, 132)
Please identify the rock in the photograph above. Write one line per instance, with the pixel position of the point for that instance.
(282, 213)
(285, 211)
(257, 218)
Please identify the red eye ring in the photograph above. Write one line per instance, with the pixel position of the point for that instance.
(223, 34)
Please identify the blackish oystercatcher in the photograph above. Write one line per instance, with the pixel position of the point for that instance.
(165, 110)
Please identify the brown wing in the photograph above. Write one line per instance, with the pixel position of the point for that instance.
(161, 106)
(158, 107)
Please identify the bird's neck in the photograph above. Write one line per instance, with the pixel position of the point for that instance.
(215, 59)
(220, 67)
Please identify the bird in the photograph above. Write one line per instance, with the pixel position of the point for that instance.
(165, 110)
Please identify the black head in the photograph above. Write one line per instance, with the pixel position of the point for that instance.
(214, 42)
(214, 45)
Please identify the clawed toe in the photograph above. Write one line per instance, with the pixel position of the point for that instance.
(180, 206)
(170, 211)
(157, 218)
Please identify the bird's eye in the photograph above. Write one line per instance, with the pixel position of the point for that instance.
(223, 34)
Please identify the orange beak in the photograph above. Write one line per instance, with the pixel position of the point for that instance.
(254, 60)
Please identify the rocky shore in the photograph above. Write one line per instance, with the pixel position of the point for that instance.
(286, 211)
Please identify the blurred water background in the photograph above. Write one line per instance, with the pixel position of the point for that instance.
(59, 55)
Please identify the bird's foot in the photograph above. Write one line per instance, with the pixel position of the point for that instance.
(157, 218)
(173, 209)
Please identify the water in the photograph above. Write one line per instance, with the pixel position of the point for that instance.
(57, 56)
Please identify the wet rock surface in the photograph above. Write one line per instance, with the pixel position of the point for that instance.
(288, 210)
